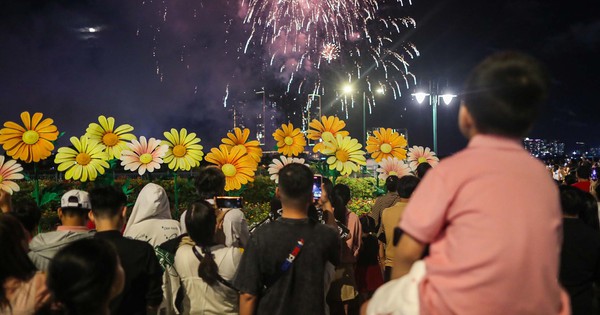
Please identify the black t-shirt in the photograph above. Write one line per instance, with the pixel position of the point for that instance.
(143, 275)
(580, 264)
(300, 289)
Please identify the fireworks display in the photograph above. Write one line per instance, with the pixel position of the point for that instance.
(307, 39)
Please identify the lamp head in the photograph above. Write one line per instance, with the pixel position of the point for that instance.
(420, 96)
(347, 89)
(448, 98)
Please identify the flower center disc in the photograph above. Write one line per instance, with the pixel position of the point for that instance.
(83, 159)
(229, 170)
(110, 139)
(342, 156)
(386, 148)
(1, 178)
(393, 173)
(288, 140)
(31, 137)
(146, 158)
(422, 160)
(179, 151)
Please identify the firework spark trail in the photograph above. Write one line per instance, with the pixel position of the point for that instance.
(347, 34)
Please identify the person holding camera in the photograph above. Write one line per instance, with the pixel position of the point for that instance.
(232, 228)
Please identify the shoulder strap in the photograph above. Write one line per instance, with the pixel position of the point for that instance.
(219, 278)
(291, 257)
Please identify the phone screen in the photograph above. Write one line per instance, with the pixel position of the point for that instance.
(594, 174)
(317, 182)
(229, 202)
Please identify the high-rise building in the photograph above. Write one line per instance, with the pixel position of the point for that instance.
(544, 148)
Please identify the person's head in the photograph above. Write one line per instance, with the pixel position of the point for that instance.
(85, 275)
(503, 96)
(109, 204)
(29, 214)
(391, 183)
(570, 179)
(422, 169)
(327, 188)
(201, 222)
(74, 208)
(339, 200)
(584, 171)
(295, 186)
(14, 262)
(407, 185)
(210, 182)
(572, 200)
(589, 213)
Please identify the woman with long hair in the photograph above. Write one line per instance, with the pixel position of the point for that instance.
(343, 292)
(85, 276)
(22, 290)
(207, 268)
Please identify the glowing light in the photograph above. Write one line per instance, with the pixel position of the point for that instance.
(347, 89)
(448, 98)
(420, 96)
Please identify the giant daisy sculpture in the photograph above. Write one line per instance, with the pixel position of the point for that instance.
(31, 142)
(319, 129)
(114, 139)
(385, 143)
(239, 138)
(237, 166)
(392, 166)
(418, 155)
(83, 163)
(345, 154)
(290, 141)
(143, 155)
(10, 171)
(184, 150)
(279, 163)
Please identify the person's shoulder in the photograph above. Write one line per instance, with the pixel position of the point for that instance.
(326, 230)
(234, 214)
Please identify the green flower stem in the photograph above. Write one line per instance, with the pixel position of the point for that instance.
(176, 188)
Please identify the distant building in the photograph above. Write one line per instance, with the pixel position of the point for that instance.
(544, 148)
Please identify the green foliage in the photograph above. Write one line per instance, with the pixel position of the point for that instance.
(261, 190)
(361, 188)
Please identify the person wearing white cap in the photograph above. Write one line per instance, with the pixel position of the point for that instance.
(73, 213)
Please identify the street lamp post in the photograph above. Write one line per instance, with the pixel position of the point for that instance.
(434, 100)
(348, 89)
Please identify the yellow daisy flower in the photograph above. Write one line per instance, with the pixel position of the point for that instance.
(112, 138)
(290, 141)
(31, 142)
(83, 163)
(237, 166)
(184, 151)
(240, 139)
(345, 153)
(327, 125)
(386, 143)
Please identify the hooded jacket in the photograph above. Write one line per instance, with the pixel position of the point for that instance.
(150, 220)
(44, 246)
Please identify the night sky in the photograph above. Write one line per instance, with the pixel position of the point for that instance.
(50, 62)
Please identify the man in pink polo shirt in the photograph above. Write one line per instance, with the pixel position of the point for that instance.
(490, 213)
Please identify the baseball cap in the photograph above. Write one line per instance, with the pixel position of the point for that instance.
(76, 199)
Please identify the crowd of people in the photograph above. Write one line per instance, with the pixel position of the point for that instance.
(481, 233)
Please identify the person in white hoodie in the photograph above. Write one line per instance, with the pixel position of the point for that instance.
(151, 220)
(73, 213)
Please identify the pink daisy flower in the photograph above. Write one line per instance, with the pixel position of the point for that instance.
(278, 164)
(143, 155)
(9, 171)
(392, 166)
(418, 155)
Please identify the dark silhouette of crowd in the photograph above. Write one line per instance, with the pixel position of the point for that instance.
(487, 231)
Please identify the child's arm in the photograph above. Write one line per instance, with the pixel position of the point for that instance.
(407, 252)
